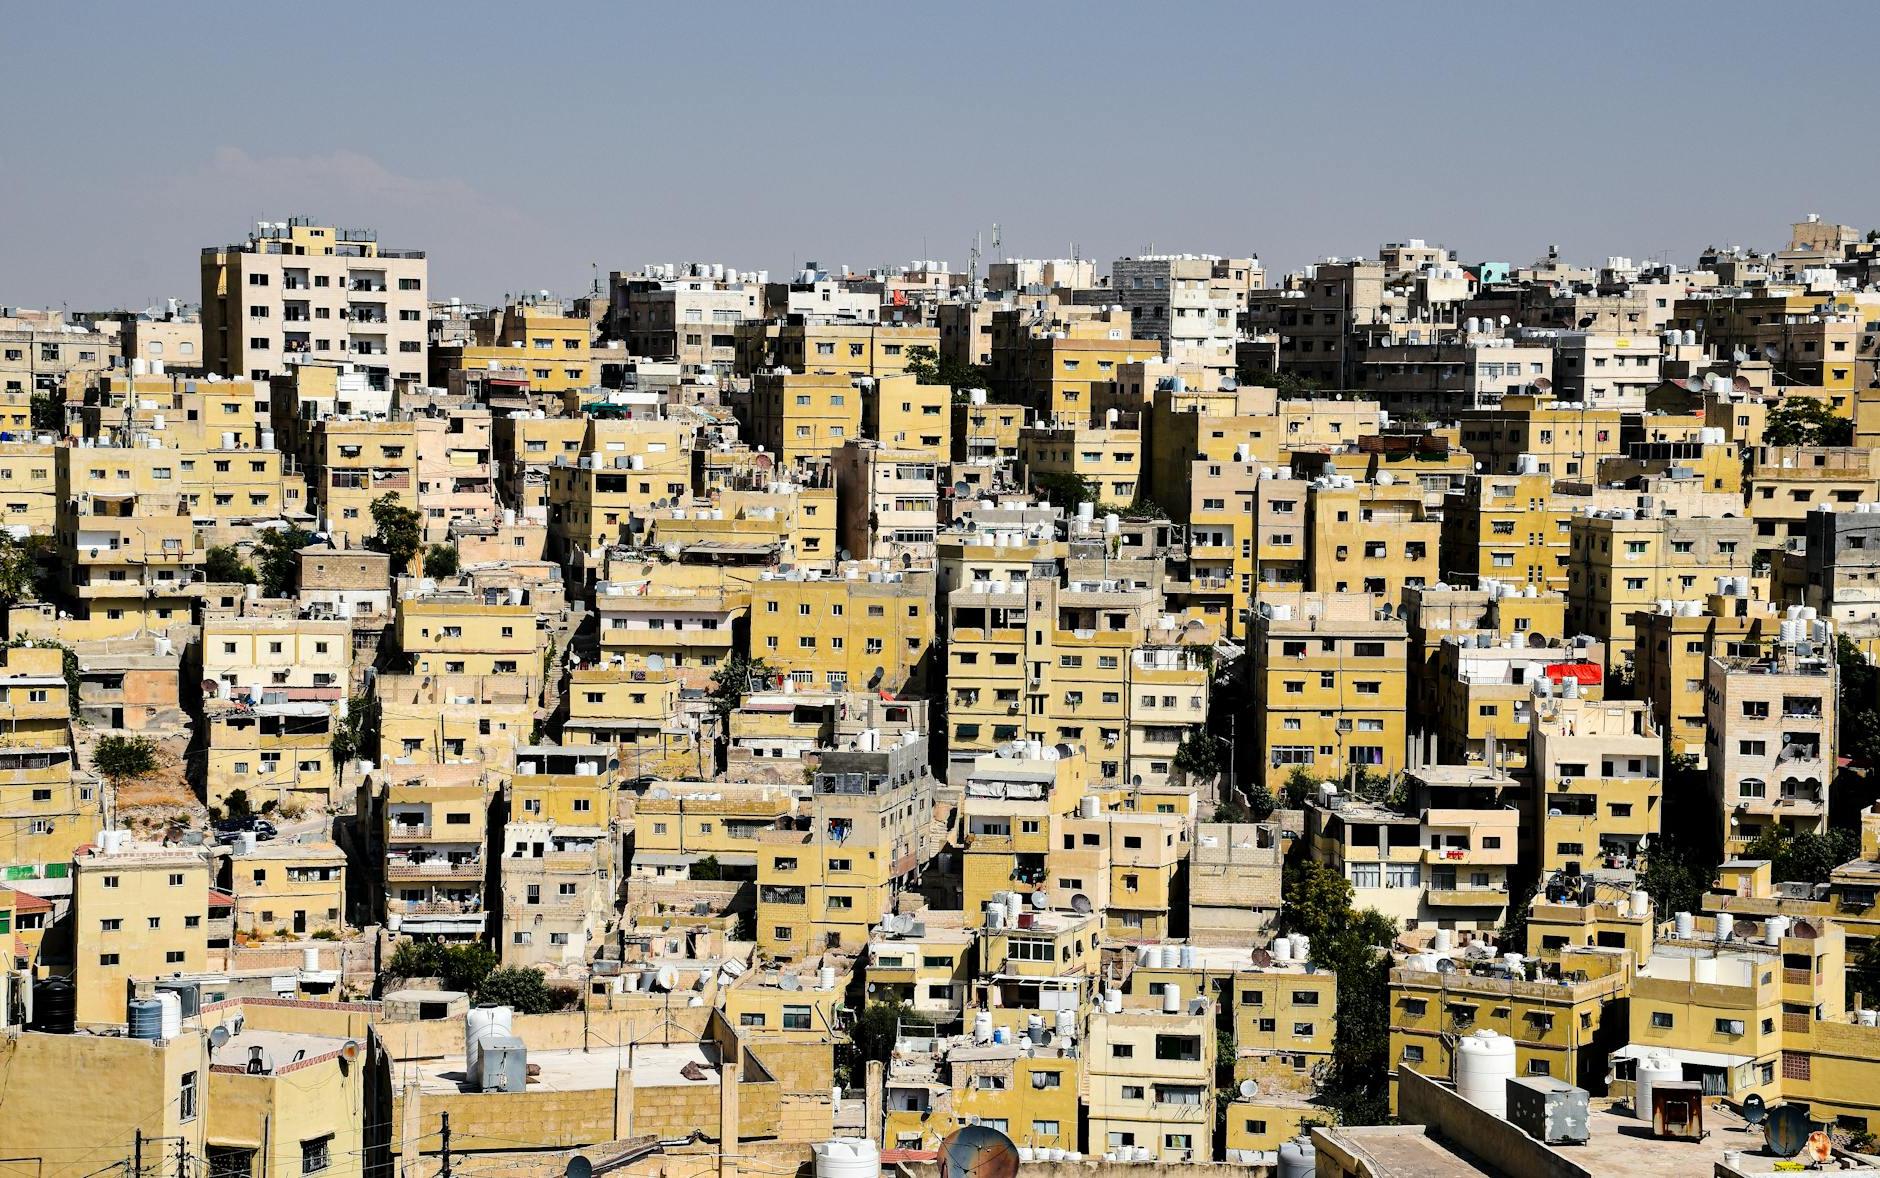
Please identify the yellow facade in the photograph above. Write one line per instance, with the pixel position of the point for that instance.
(803, 416)
(1329, 685)
(28, 493)
(127, 544)
(289, 887)
(1108, 459)
(139, 911)
(1598, 769)
(1150, 1081)
(865, 628)
(356, 462)
(459, 634)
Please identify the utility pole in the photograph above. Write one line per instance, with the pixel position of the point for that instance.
(182, 1159)
(444, 1144)
(137, 1155)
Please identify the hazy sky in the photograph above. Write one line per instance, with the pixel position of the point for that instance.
(520, 143)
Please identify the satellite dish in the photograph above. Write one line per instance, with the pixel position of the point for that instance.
(218, 1037)
(788, 982)
(978, 1151)
(655, 662)
(1038, 901)
(1080, 904)
(1755, 1111)
(1445, 965)
(350, 1051)
(1786, 1129)
(1249, 1089)
(1262, 958)
(579, 1167)
(1740, 356)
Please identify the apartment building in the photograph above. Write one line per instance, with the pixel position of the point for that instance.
(1175, 299)
(139, 911)
(1599, 369)
(452, 631)
(887, 502)
(557, 874)
(1329, 683)
(686, 616)
(126, 543)
(282, 685)
(1476, 371)
(803, 343)
(688, 314)
(1785, 483)
(283, 887)
(1483, 687)
(432, 825)
(925, 960)
(1598, 773)
(1102, 464)
(1025, 1090)
(639, 711)
(902, 413)
(675, 826)
(856, 846)
(52, 359)
(456, 482)
(866, 627)
(533, 335)
(1510, 527)
(1673, 645)
(1538, 434)
(48, 809)
(296, 291)
(28, 493)
(1564, 1029)
(1620, 563)
(1012, 805)
(1769, 747)
(437, 719)
(355, 462)
(1234, 882)
(1149, 1079)
(1049, 360)
(801, 417)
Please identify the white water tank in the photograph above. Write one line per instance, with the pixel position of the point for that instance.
(1443, 941)
(1775, 928)
(1014, 904)
(1726, 925)
(1301, 947)
(995, 915)
(171, 1005)
(1113, 1001)
(1484, 1065)
(1066, 1028)
(1171, 998)
(1152, 957)
(1641, 904)
(1683, 926)
(480, 1023)
(1298, 1159)
(826, 978)
(310, 959)
(1090, 805)
(1188, 956)
(982, 1026)
(847, 1157)
(1653, 1070)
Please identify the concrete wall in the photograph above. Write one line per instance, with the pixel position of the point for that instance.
(1503, 1148)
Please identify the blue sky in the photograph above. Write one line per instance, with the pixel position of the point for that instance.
(521, 144)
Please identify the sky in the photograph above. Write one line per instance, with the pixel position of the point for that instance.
(523, 146)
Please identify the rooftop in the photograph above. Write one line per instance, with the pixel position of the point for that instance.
(654, 1066)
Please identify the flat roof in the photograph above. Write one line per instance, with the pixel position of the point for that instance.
(655, 1065)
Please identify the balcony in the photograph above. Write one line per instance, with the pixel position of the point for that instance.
(436, 870)
(1467, 897)
(408, 832)
(435, 907)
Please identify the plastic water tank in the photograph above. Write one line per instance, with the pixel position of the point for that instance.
(170, 1005)
(847, 1157)
(1443, 941)
(1171, 998)
(1302, 947)
(1726, 925)
(1652, 1071)
(55, 1006)
(480, 1023)
(1484, 1065)
(146, 1018)
(1281, 948)
(1641, 904)
(1113, 1001)
(1297, 1159)
(982, 1026)
(1014, 904)
(1188, 956)
(1775, 928)
(1683, 925)
(826, 978)
(1066, 1024)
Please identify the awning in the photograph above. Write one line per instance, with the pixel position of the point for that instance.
(1702, 1059)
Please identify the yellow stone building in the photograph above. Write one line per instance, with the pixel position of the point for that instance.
(1330, 682)
(867, 627)
(139, 911)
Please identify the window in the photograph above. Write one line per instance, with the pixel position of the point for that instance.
(1661, 1019)
(186, 1098)
(107, 959)
(1044, 1129)
(796, 1018)
(1413, 1054)
(316, 1154)
(751, 1019)
(1256, 1127)
(1124, 1051)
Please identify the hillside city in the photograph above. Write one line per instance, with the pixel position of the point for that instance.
(1415, 715)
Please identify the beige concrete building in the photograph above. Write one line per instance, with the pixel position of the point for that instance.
(1769, 745)
(297, 291)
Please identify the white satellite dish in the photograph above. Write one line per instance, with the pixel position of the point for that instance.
(1249, 1089)
(655, 662)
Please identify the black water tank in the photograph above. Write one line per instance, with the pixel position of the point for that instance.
(55, 1006)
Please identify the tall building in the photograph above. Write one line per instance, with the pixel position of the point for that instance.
(296, 291)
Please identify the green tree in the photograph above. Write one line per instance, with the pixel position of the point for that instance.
(236, 804)
(124, 758)
(928, 367)
(1299, 788)
(48, 413)
(1514, 926)
(707, 867)
(277, 552)
(1065, 491)
(223, 564)
(731, 680)
(1863, 973)
(397, 531)
(1260, 802)
(357, 733)
(19, 571)
(523, 990)
(873, 1034)
(440, 560)
(459, 967)
(1201, 755)
(1808, 857)
(1805, 421)
(1675, 879)
(1316, 900)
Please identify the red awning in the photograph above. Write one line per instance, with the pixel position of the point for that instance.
(1586, 673)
